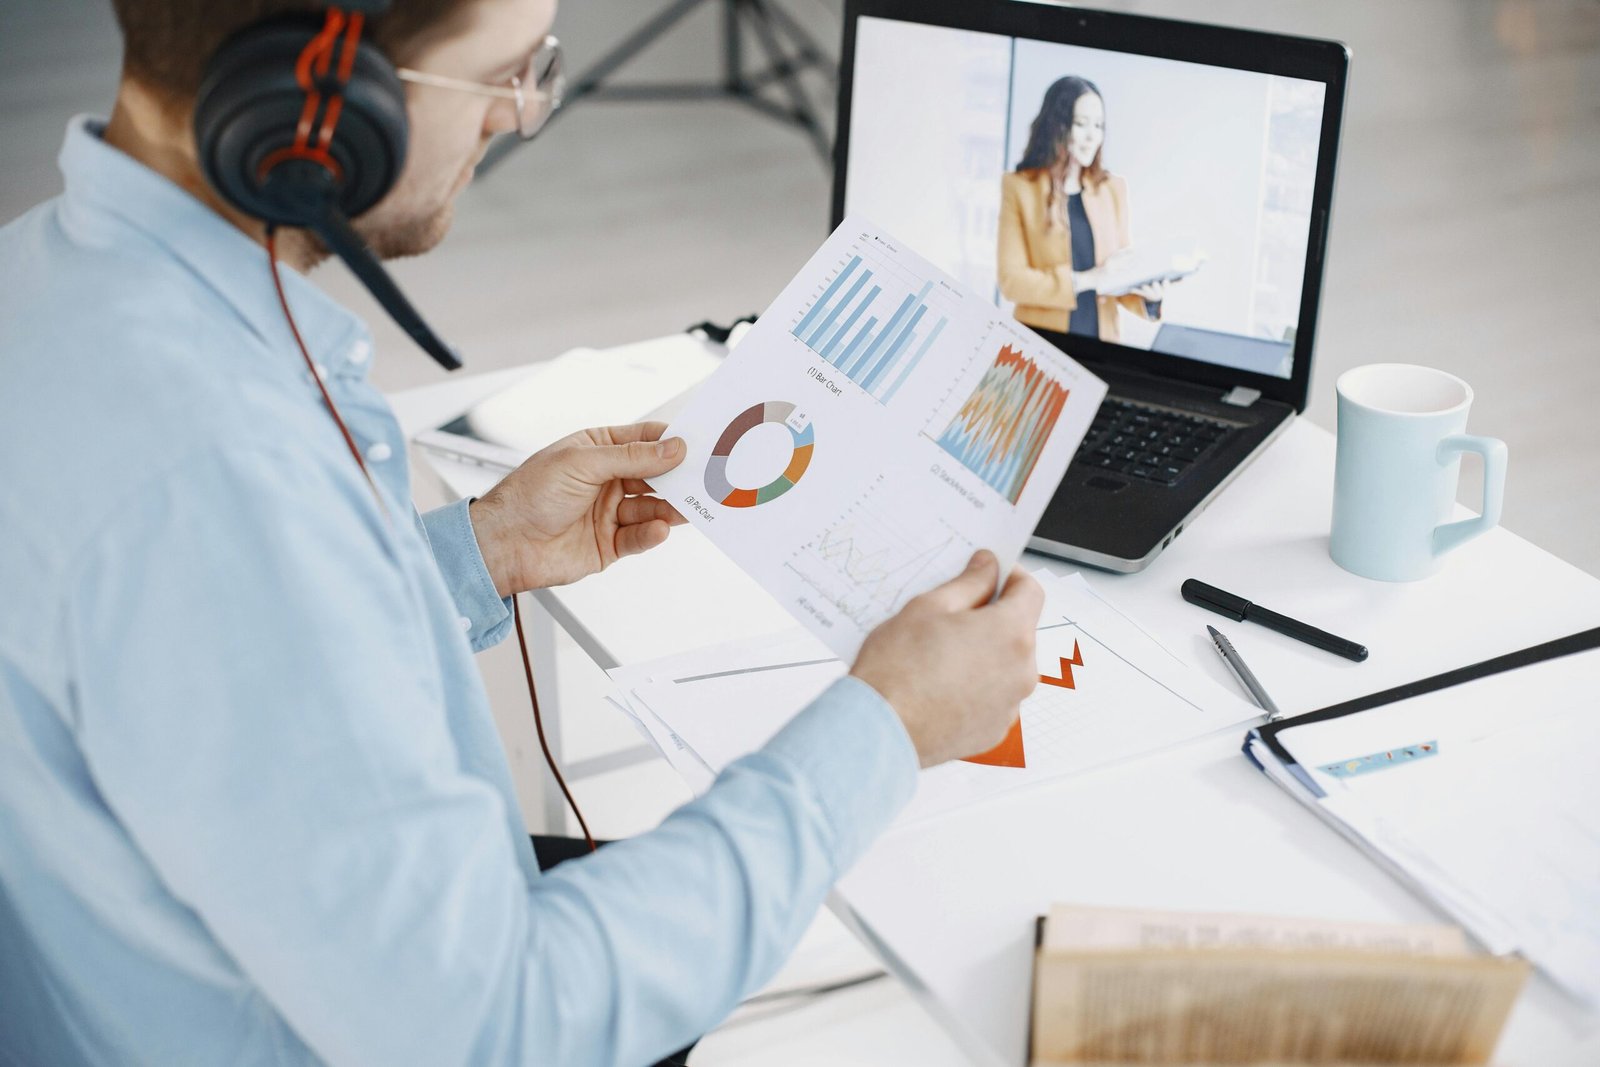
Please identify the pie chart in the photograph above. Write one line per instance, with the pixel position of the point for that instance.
(722, 489)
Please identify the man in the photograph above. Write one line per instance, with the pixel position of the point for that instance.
(252, 806)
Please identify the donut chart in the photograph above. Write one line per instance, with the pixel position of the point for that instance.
(723, 490)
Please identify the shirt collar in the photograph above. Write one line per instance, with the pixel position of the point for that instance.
(106, 188)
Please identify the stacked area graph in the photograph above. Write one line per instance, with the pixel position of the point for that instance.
(1002, 428)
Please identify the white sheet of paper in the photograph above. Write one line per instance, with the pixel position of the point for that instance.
(879, 424)
(1128, 697)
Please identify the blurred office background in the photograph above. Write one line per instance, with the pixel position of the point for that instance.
(1465, 235)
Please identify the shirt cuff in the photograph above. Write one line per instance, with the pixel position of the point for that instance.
(485, 617)
(854, 751)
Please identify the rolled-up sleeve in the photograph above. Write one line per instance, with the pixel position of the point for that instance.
(485, 615)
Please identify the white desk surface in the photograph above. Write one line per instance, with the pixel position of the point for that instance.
(950, 904)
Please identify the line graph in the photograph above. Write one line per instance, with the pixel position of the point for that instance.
(1002, 427)
(866, 565)
(881, 570)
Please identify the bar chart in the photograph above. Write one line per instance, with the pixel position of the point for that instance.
(858, 326)
(1002, 427)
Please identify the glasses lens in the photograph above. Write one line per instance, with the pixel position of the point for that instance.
(543, 83)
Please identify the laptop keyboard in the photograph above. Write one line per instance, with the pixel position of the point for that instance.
(1152, 444)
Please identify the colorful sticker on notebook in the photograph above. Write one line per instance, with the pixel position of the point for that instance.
(1380, 760)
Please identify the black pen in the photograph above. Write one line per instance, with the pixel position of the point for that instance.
(1239, 609)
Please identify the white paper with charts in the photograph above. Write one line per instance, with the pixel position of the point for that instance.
(879, 424)
(1107, 692)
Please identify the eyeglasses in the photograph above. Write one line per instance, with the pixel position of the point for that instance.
(537, 88)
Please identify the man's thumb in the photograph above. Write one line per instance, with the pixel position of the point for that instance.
(638, 459)
(971, 588)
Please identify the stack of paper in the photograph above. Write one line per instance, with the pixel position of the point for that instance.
(1480, 796)
(1107, 692)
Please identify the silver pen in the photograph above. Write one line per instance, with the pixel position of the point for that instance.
(1230, 656)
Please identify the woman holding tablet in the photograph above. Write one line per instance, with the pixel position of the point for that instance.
(1062, 217)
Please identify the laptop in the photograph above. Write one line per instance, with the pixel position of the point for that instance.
(1151, 196)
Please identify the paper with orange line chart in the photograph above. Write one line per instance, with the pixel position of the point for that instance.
(877, 425)
(1107, 692)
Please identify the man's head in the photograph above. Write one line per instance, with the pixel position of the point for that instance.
(167, 44)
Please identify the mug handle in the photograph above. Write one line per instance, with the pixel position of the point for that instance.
(1455, 534)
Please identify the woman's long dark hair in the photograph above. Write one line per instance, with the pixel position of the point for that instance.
(1048, 133)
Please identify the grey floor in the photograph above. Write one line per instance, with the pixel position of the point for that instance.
(1465, 233)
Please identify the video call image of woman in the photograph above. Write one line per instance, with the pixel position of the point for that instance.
(1063, 217)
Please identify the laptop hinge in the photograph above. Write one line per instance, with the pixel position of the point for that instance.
(1241, 396)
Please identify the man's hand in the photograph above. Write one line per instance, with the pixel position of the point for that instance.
(953, 665)
(576, 507)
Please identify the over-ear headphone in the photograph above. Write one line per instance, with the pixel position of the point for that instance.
(299, 122)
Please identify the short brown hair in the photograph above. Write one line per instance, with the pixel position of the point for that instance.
(167, 43)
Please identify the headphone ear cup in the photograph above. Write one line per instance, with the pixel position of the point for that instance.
(250, 104)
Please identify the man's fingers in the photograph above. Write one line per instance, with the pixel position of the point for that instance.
(635, 509)
(627, 435)
(638, 459)
(641, 537)
(637, 487)
(970, 588)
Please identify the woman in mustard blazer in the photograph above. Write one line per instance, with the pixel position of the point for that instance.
(1062, 216)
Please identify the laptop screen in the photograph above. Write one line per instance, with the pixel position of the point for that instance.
(1154, 204)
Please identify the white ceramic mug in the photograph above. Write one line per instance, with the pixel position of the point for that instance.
(1399, 459)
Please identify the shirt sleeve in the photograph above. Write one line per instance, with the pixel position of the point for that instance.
(256, 706)
(455, 548)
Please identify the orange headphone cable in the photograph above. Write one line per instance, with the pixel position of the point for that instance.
(538, 722)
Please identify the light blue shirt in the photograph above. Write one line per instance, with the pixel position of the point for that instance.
(253, 808)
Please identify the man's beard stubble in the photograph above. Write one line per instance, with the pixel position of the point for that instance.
(394, 240)
(411, 237)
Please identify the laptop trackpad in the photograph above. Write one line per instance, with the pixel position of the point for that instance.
(1110, 485)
